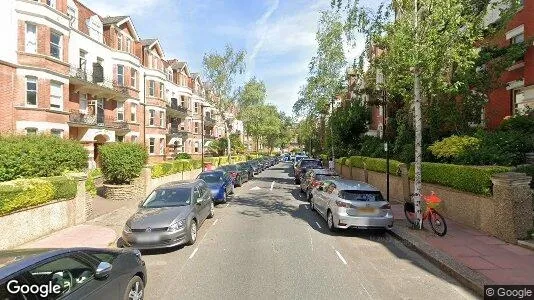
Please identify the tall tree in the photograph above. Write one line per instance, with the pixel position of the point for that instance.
(252, 93)
(220, 70)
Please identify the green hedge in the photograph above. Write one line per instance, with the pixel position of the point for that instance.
(30, 156)
(355, 161)
(90, 186)
(223, 160)
(122, 162)
(473, 179)
(24, 193)
(380, 165)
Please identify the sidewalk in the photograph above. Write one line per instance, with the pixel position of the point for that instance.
(497, 261)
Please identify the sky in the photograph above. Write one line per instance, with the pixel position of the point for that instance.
(277, 35)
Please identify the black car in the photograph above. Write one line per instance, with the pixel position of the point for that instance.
(304, 164)
(235, 173)
(255, 166)
(247, 169)
(72, 273)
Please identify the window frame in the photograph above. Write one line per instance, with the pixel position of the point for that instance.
(151, 145)
(31, 130)
(161, 146)
(60, 96)
(161, 90)
(26, 40)
(59, 45)
(36, 91)
(151, 88)
(133, 77)
(120, 111)
(119, 41)
(151, 117)
(57, 132)
(120, 75)
(133, 112)
(161, 118)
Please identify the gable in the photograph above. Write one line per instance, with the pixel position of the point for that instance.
(127, 25)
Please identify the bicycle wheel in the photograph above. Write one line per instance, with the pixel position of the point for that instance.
(409, 212)
(438, 224)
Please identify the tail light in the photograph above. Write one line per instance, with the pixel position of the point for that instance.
(386, 206)
(342, 204)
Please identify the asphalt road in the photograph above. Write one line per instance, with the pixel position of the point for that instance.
(267, 244)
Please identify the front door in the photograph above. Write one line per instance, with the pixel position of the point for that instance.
(100, 112)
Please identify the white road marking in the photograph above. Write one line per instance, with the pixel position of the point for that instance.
(255, 188)
(318, 225)
(215, 222)
(311, 240)
(272, 185)
(342, 259)
(366, 290)
(194, 252)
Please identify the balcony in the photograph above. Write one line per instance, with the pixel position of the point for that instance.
(176, 111)
(175, 132)
(95, 83)
(78, 119)
(209, 122)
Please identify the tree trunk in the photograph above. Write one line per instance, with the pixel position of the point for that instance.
(229, 147)
(418, 150)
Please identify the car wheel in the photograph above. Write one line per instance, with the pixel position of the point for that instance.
(330, 220)
(297, 181)
(212, 211)
(192, 233)
(312, 206)
(225, 197)
(135, 289)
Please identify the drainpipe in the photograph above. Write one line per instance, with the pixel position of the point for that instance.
(143, 105)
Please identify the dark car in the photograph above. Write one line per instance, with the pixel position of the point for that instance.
(235, 174)
(247, 169)
(314, 177)
(72, 273)
(220, 184)
(170, 216)
(255, 166)
(304, 164)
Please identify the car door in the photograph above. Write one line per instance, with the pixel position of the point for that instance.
(76, 277)
(206, 199)
(318, 198)
(197, 202)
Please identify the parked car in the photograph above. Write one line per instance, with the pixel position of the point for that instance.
(304, 164)
(255, 166)
(314, 177)
(236, 174)
(297, 159)
(220, 184)
(351, 204)
(74, 273)
(247, 168)
(170, 216)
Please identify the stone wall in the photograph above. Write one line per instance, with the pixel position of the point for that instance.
(152, 183)
(26, 225)
(507, 214)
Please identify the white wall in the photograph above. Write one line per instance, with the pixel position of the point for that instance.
(8, 23)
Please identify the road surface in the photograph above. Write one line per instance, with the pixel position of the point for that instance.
(267, 244)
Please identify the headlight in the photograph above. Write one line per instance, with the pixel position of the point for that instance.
(127, 229)
(176, 225)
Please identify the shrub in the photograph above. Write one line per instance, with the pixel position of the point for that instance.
(182, 156)
(162, 169)
(24, 193)
(90, 186)
(523, 123)
(380, 165)
(471, 179)
(406, 153)
(372, 147)
(453, 147)
(39, 156)
(196, 164)
(223, 160)
(355, 161)
(122, 162)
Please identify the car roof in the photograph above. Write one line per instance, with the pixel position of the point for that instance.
(219, 172)
(347, 184)
(180, 184)
(12, 261)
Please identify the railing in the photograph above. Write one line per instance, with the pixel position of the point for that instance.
(209, 121)
(76, 117)
(96, 77)
(177, 108)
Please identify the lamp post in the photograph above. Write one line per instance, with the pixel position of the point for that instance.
(332, 131)
(202, 135)
(380, 86)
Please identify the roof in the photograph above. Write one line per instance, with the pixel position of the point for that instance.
(347, 184)
(148, 42)
(113, 20)
(179, 184)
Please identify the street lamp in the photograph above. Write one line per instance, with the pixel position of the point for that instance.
(380, 86)
(332, 133)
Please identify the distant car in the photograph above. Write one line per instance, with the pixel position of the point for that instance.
(314, 177)
(297, 159)
(235, 174)
(351, 204)
(220, 184)
(75, 273)
(255, 166)
(170, 216)
(247, 168)
(303, 165)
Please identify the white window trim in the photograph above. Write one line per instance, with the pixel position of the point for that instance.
(26, 40)
(162, 146)
(36, 91)
(133, 77)
(120, 75)
(60, 45)
(60, 131)
(151, 117)
(60, 104)
(516, 31)
(120, 109)
(162, 119)
(151, 88)
(133, 110)
(151, 145)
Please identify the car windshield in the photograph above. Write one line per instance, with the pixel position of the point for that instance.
(168, 198)
(358, 195)
(322, 177)
(211, 177)
(229, 168)
(311, 164)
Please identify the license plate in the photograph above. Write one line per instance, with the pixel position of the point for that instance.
(147, 238)
(368, 210)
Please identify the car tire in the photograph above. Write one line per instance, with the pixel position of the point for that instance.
(312, 206)
(192, 233)
(212, 211)
(232, 189)
(297, 181)
(135, 289)
(330, 221)
(225, 197)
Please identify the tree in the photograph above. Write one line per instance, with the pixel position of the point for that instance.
(218, 147)
(252, 93)
(271, 127)
(349, 124)
(220, 71)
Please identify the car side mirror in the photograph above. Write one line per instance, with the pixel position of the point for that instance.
(103, 270)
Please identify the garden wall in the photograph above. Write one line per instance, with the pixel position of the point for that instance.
(32, 223)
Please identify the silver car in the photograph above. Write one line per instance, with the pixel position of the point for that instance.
(351, 204)
(314, 177)
(170, 216)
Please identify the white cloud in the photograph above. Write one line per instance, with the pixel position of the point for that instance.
(120, 7)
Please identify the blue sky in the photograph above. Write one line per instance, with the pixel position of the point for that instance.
(278, 35)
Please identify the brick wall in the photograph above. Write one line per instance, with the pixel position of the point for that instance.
(7, 96)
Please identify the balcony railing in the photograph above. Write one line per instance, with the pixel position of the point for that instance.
(95, 81)
(208, 121)
(87, 120)
(174, 110)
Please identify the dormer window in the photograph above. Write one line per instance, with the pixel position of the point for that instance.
(94, 25)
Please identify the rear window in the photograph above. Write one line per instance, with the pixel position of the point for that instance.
(310, 164)
(365, 196)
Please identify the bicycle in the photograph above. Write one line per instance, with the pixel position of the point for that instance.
(437, 222)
